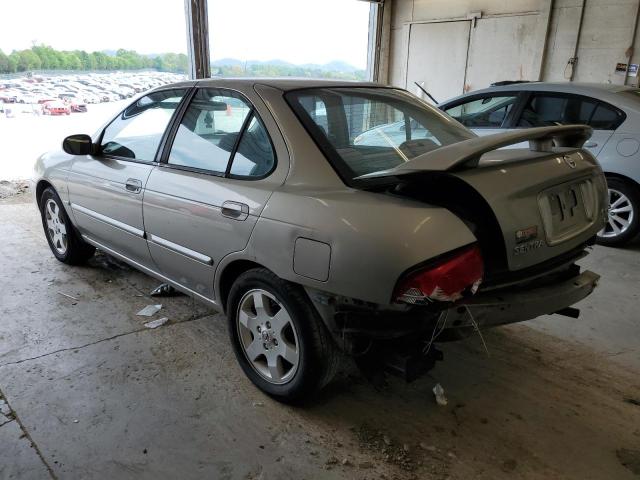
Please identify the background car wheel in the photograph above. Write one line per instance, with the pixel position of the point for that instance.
(64, 241)
(278, 338)
(623, 222)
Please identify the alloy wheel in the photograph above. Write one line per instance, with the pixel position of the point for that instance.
(268, 336)
(56, 228)
(620, 215)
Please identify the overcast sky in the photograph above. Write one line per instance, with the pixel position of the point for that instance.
(298, 31)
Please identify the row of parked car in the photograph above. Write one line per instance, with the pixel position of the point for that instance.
(76, 91)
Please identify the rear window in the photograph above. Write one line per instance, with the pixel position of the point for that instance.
(556, 109)
(365, 130)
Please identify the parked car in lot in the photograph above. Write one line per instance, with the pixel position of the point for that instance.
(311, 242)
(55, 107)
(8, 96)
(613, 111)
(77, 105)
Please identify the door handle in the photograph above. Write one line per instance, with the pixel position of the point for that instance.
(133, 185)
(591, 145)
(235, 210)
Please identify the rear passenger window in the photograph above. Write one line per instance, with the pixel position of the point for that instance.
(488, 112)
(254, 157)
(549, 110)
(220, 131)
(209, 130)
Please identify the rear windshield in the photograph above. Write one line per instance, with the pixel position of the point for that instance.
(363, 130)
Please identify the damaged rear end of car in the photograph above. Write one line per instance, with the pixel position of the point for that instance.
(534, 214)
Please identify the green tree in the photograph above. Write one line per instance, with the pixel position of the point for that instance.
(27, 60)
(4, 63)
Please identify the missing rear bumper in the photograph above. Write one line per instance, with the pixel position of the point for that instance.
(352, 322)
(507, 306)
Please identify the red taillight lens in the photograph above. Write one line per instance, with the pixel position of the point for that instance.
(446, 281)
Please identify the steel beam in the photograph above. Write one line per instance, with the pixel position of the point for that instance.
(198, 38)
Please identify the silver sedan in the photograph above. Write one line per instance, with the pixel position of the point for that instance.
(326, 216)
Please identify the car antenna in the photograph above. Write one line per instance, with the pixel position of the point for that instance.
(427, 93)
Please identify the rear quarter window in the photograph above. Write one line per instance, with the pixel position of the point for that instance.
(548, 109)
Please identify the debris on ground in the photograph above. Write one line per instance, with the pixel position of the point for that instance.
(331, 461)
(382, 445)
(165, 290)
(428, 448)
(149, 310)
(258, 404)
(156, 323)
(68, 296)
(441, 399)
(12, 188)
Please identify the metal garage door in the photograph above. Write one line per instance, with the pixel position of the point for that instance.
(451, 57)
(502, 48)
(438, 57)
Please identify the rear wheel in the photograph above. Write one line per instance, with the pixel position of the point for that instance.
(278, 338)
(64, 241)
(623, 220)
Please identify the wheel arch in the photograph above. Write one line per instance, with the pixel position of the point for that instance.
(228, 276)
(41, 186)
(624, 178)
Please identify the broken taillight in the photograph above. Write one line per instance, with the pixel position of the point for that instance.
(446, 281)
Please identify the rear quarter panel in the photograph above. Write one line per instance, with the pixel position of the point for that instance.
(621, 155)
(373, 238)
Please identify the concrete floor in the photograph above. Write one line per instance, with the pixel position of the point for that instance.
(86, 391)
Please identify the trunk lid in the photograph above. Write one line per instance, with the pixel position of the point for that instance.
(546, 201)
(544, 204)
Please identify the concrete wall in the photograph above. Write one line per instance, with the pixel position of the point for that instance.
(606, 36)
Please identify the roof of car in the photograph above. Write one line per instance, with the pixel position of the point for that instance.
(281, 83)
(564, 86)
(603, 91)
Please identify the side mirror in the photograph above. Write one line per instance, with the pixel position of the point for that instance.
(78, 145)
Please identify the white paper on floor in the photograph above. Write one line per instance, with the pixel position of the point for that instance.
(156, 323)
(149, 310)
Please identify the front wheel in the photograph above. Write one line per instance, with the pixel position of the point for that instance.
(278, 338)
(623, 214)
(64, 241)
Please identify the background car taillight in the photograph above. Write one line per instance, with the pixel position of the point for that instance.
(446, 281)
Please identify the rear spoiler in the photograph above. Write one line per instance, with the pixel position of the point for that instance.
(541, 139)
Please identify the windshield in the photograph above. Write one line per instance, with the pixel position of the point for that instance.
(365, 130)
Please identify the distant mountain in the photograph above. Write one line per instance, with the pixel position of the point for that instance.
(227, 62)
(334, 66)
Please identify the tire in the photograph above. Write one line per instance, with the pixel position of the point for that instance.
(304, 340)
(64, 240)
(623, 224)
